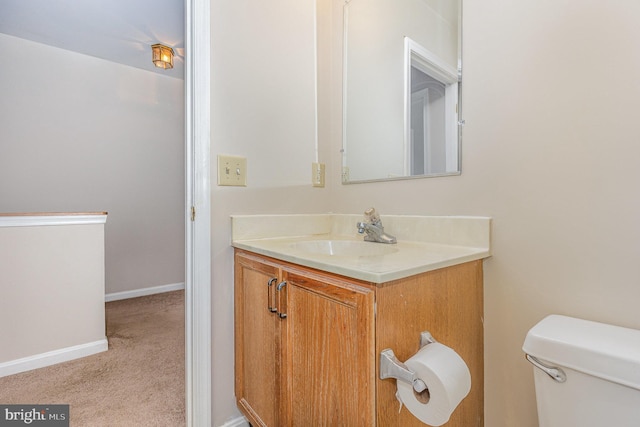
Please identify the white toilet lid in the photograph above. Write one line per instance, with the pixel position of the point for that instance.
(605, 351)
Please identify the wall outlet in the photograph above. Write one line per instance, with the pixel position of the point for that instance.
(232, 170)
(345, 174)
(317, 174)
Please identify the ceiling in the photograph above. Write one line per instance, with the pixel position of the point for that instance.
(120, 31)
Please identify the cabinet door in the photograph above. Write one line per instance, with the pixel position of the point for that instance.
(257, 343)
(328, 351)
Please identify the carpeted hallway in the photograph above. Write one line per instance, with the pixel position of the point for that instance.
(139, 381)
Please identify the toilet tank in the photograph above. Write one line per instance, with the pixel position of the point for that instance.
(600, 364)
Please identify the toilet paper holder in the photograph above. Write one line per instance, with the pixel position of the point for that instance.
(391, 367)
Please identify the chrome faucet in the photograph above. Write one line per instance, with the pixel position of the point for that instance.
(373, 228)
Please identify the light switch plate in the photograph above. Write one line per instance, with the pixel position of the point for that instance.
(232, 170)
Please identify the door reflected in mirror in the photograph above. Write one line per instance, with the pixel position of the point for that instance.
(431, 121)
(401, 83)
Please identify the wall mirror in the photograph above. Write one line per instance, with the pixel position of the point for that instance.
(402, 76)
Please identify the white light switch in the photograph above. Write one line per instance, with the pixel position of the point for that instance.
(232, 170)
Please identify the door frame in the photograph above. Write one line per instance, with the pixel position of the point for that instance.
(198, 215)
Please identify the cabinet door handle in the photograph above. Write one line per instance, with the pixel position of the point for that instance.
(271, 303)
(282, 299)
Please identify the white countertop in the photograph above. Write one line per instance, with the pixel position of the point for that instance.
(424, 243)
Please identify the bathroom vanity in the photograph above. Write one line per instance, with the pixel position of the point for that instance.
(315, 306)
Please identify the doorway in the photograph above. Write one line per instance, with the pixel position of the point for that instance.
(198, 208)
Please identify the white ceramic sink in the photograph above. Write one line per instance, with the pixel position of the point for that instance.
(331, 243)
(357, 248)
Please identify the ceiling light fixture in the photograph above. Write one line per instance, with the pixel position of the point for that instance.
(162, 56)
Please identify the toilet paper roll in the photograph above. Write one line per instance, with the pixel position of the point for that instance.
(448, 381)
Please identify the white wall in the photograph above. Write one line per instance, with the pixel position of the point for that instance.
(83, 134)
(52, 287)
(263, 107)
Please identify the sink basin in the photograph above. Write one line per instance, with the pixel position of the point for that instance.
(344, 248)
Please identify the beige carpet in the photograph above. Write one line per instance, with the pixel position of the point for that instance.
(139, 381)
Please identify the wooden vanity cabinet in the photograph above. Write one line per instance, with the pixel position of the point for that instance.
(304, 346)
(307, 343)
(257, 343)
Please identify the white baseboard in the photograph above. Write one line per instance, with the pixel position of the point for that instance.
(52, 357)
(143, 292)
(236, 422)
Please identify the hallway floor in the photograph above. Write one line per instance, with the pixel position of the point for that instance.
(139, 381)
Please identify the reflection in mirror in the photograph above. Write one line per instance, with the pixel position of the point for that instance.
(431, 96)
(401, 84)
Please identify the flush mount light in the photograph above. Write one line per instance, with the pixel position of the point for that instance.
(162, 56)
